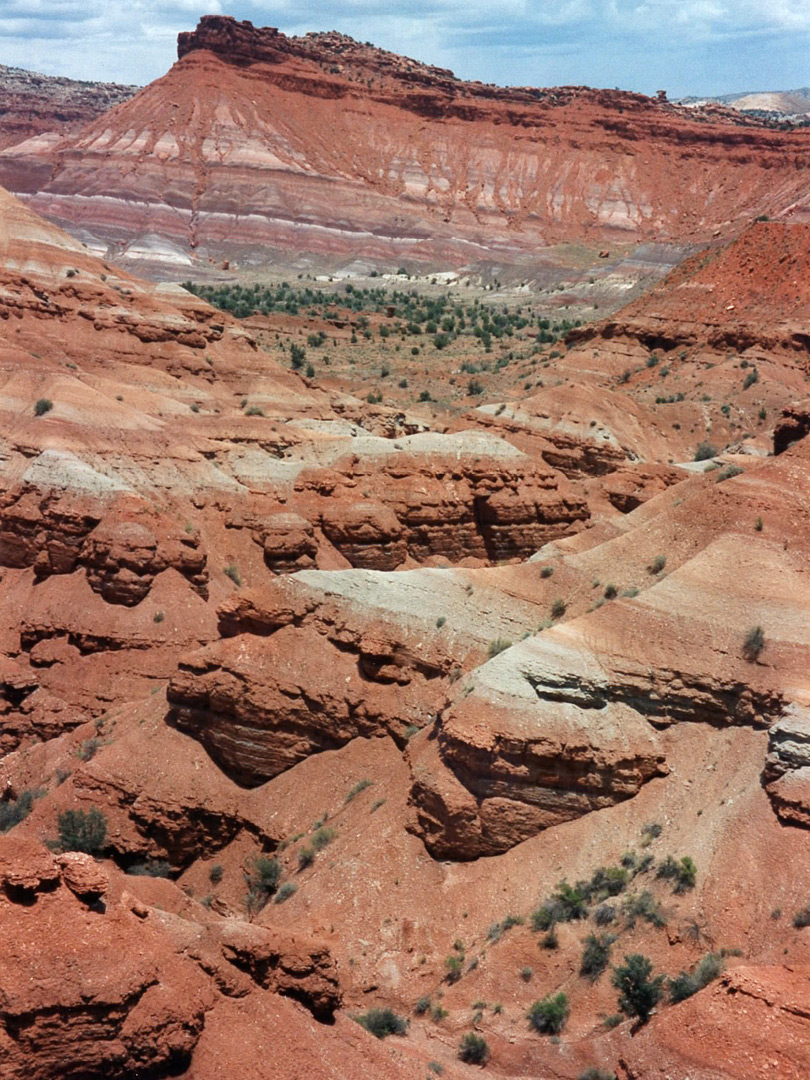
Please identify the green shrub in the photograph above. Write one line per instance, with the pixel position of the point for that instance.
(802, 917)
(639, 993)
(526, 973)
(254, 410)
(558, 608)
(595, 955)
(16, 810)
(658, 564)
(704, 451)
(42, 405)
(684, 985)
(567, 904)
(753, 644)
(361, 785)
(499, 645)
(473, 1049)
(597, 1074)
(297, 356)
(549, 1015)
(683, 873)
(382, 1022)
(306, 857)
(645, 906)
(321, 837)
(232, 572)
(498, 929)
(729, 472)
(287, 890)
(422, 1005)
(547, 571)
(81, 830)
(455, 967)
(751, 378)
(87, 749)
(611, 592)
(604, 915)
(550, 940)
(216, 873)
(150, 868)
(605, 881)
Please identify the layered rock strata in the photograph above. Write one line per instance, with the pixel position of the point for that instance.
(420, 165)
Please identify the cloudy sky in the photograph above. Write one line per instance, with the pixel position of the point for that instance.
(684, 46)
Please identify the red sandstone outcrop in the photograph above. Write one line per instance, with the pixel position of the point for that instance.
(85, 983)
(243, 102)
(94, 981)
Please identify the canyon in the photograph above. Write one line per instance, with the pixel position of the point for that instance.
(342, 695)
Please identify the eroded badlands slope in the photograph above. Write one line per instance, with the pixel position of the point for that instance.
(256, 144)
(422, 743)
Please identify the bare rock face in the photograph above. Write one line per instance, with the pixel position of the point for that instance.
(517, 757)
(87, 990)
(787, 767)
(298, 967)
(377, 660)
(288, 541)
(123, 546)
(123, 556)
(258, 709)
(366, 533)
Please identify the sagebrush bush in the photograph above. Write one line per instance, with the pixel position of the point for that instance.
(42, 406)
(685, 984)
(382, 1022)
(13, 811)
(81, 830)
(499, 645)
(549, 1016)
(595, 955)
(473, 1049)
(232, 572)
(682, 872)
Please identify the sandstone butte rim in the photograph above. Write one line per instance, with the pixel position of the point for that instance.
(233, 165)
(352, 670)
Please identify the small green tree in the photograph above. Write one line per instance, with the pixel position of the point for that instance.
(639, 993)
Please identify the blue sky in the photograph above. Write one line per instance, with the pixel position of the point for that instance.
(683, 46)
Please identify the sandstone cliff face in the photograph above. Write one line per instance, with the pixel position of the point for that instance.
(439, 170)
(87, 987)
(95, 982)
(259, 710)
